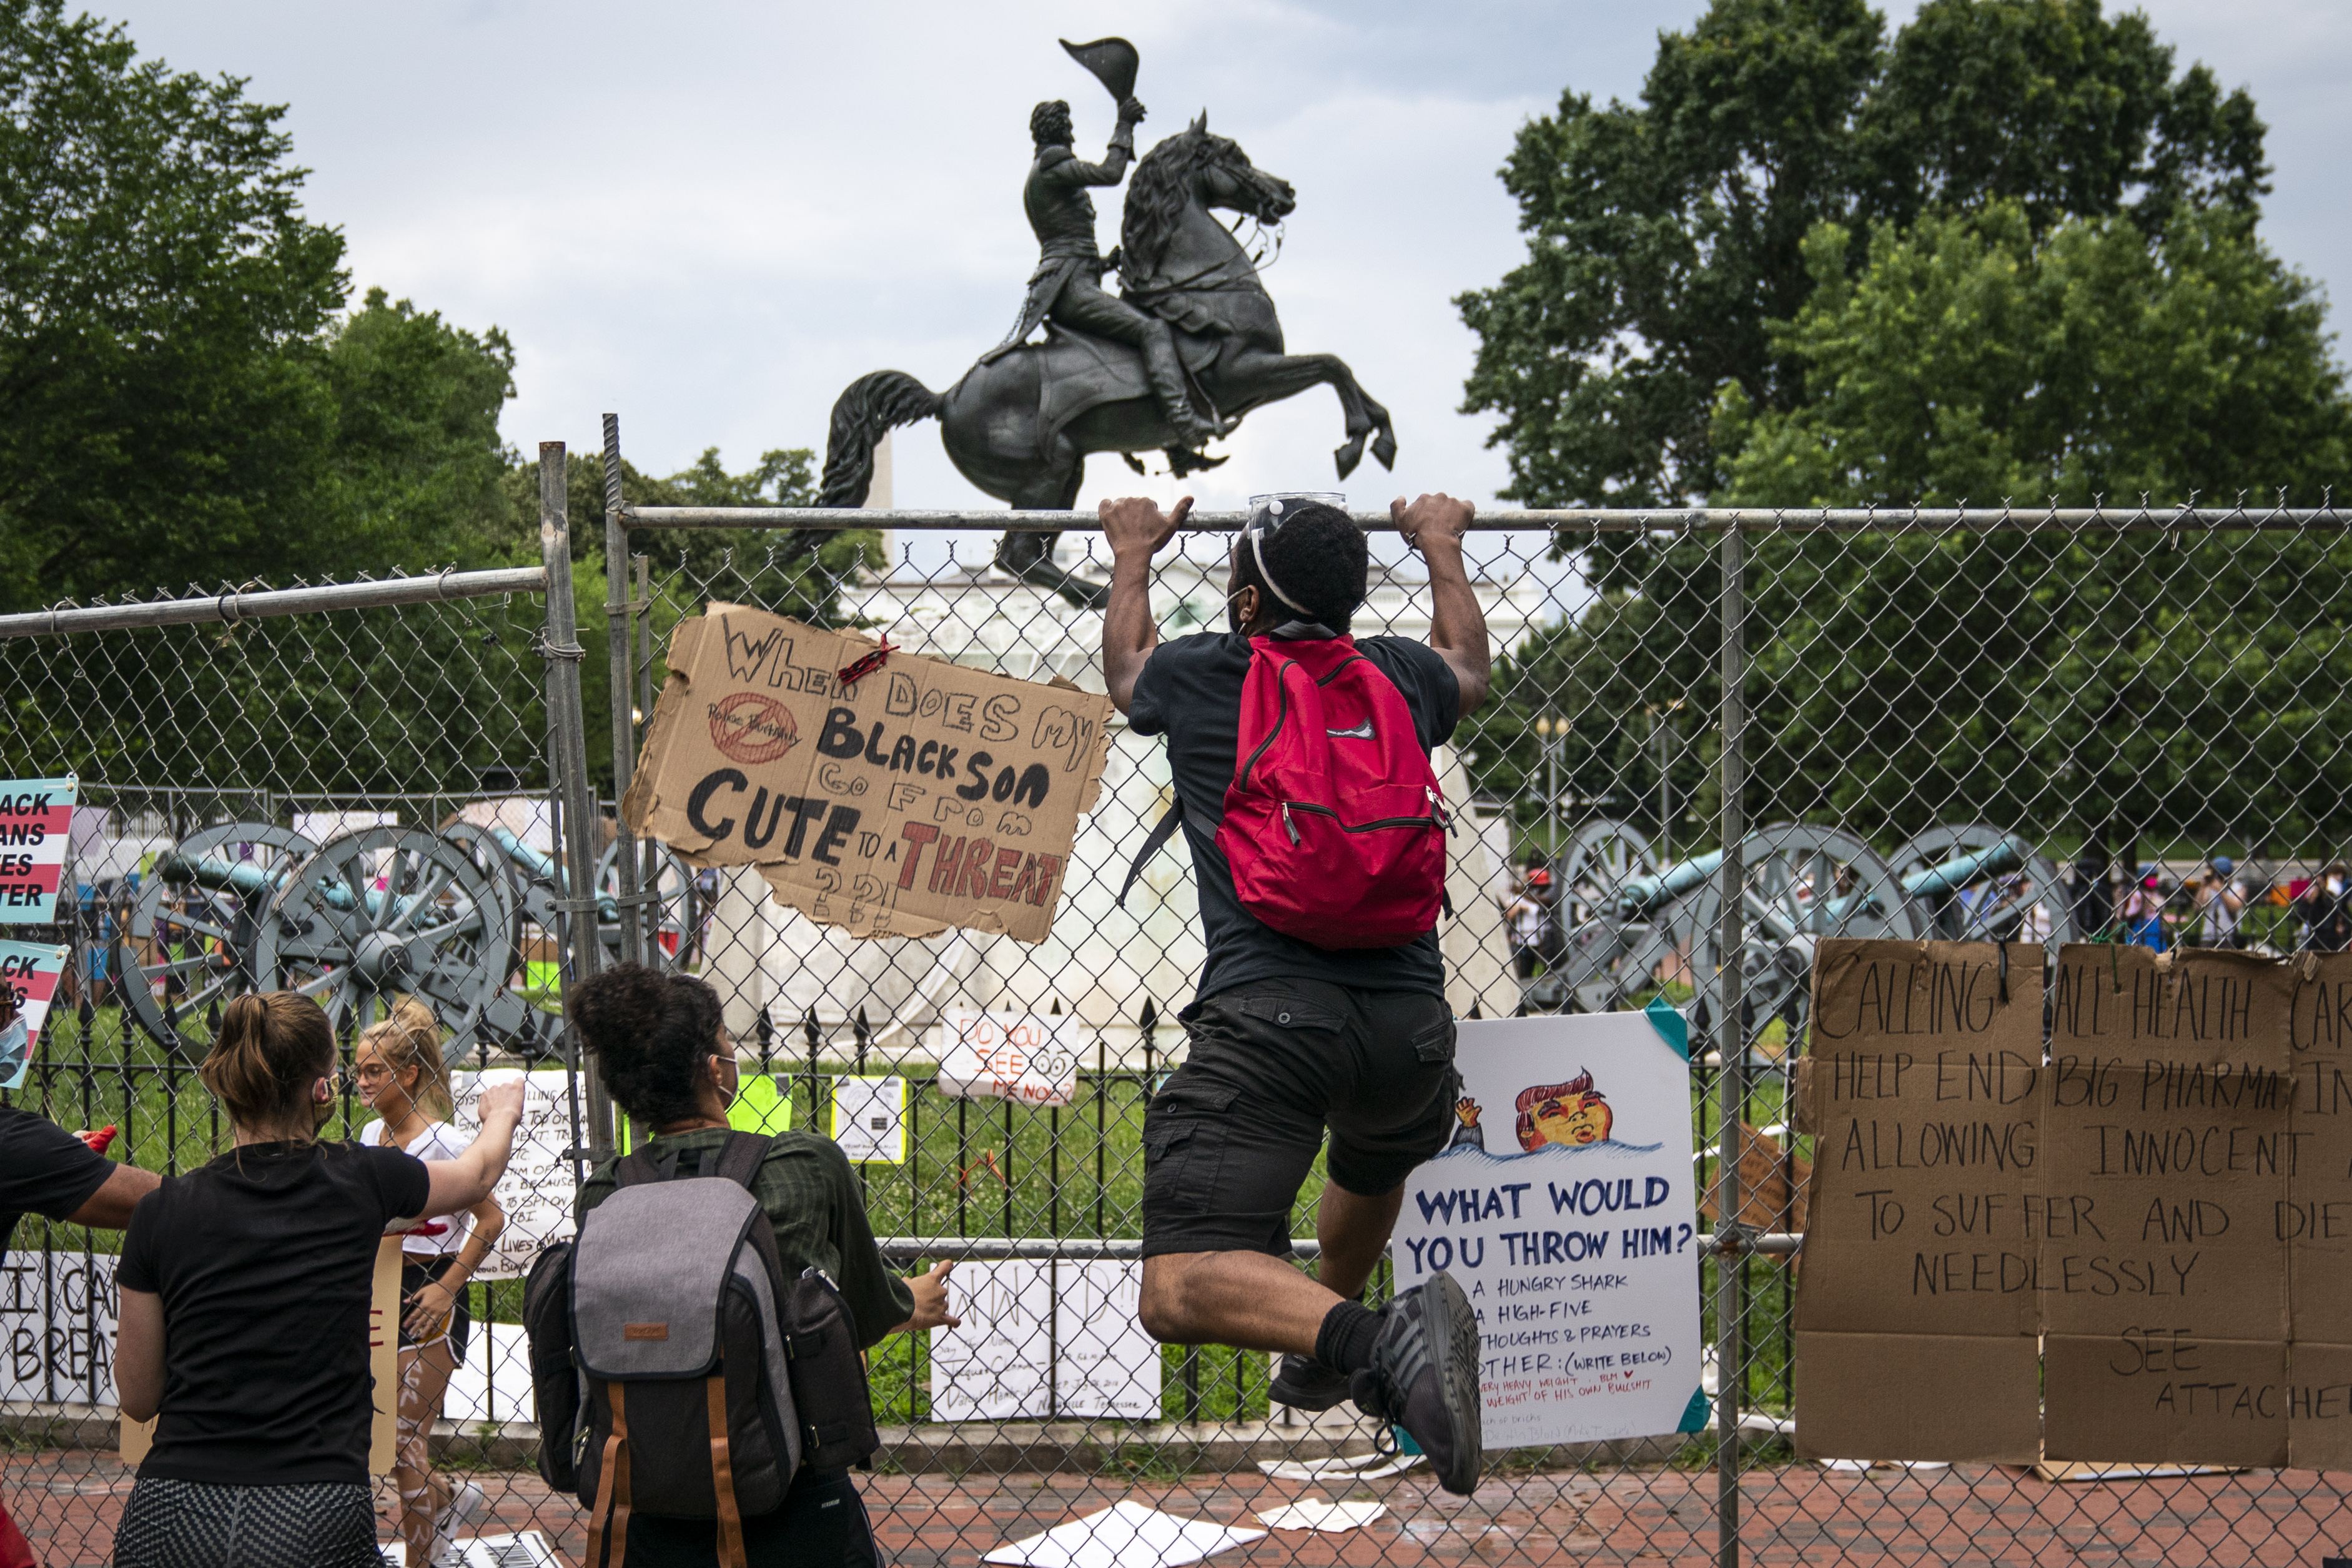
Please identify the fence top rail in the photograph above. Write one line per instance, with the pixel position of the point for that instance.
(1596, 519)
(246, 605)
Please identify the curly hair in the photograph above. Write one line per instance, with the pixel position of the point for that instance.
(1319, 556)
(1049, 124)
(653, 1035)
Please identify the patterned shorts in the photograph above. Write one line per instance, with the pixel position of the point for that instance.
(193, 1524)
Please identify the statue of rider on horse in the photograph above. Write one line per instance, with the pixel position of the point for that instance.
(1190, 344)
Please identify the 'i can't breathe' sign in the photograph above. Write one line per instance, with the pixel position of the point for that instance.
(1565, 1207)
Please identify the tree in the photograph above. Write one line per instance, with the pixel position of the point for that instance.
(1664, 238)
(181, 400)
(1969, 358)
(689, 567)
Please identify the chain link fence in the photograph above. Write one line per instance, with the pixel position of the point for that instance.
(1716, 743)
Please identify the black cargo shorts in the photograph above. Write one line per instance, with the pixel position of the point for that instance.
(1230, 1139)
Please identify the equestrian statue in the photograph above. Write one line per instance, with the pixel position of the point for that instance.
(1189, 345)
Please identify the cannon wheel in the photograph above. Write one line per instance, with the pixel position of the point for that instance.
(1607, 961)
(440, 929)
(1941, 842)
(677, 907)
(1792, 898)
(197, 946)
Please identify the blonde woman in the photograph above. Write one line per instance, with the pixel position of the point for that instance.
(398, 1071)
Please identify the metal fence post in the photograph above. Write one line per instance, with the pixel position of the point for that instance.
(1731, 1054)
(618, 628)
(576, 795)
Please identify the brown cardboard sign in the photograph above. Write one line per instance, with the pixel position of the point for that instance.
(2165, 1294)
(922, 796)
(2166, 1395)
(1926, 1088)
(2317, 1216)
(1924, 1106)
(1958, 1398)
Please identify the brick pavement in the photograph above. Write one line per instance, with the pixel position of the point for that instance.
(68, 1501)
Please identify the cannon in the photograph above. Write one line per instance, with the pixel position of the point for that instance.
(193, 927)
(535, 880)
(2025, 903)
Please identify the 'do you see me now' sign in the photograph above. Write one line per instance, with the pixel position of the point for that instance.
(920, 795)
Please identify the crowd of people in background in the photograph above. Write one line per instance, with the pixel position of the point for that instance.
(2215, 906)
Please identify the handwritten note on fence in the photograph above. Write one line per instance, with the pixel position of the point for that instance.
(2163, 1194)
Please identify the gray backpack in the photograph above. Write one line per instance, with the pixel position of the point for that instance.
(686, 1402)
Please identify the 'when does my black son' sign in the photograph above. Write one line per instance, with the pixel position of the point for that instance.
(924, 795)
(2124, 1237)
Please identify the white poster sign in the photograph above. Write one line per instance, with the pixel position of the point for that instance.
(1008, 1056)
(1566, 1207)
(537, 1190)
(1045, 1339)
(870, 1119)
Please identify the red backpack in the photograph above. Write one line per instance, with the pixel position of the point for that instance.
(1335, 827)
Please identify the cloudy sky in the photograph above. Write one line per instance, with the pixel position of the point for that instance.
(711, 216)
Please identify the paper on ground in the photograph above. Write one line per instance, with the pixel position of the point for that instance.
(528, 1550)
(1127, 1536)
(1371, 1467)
(1314, 1513)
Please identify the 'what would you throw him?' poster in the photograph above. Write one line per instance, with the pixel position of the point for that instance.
(1565, 1207)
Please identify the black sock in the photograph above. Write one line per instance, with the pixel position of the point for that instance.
(1344, 1342)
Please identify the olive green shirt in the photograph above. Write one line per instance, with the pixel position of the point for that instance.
(809, 1193)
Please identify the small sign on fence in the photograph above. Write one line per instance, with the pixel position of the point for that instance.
(30, 971)
(536, 1192)
(917, 795)
(1045, 1339)
(1007, 1056)
(1565, 1207)
(870, 1119)
(35, 827)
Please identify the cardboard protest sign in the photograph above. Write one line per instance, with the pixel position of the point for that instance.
(921, 796)
(2165, 1287)
(35, 826)
(1921, 1244)
(2317, 1216)
(31, 972)
(1026, 1057)
(1565, 1207)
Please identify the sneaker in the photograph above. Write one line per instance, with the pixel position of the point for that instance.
(464, 1502)
(1303, 1383)
(1424, 1378)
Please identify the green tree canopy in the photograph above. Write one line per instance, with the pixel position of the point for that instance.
(1665, 237)
(181, 398)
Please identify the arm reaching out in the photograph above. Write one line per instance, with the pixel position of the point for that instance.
(1135, 529)
(1434, 525)
(467, 1180)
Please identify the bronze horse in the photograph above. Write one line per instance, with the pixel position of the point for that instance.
(1021, 425)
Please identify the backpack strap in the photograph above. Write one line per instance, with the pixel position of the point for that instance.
(1162, 831)
(613, 1488)
(739, 1156)
(722, 1474)
(636, 1169)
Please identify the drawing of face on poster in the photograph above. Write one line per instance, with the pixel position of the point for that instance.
(16, 1046)
(1571, 1115)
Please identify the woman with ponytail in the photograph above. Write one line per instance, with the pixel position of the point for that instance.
(397, 1069)
(243, 1324)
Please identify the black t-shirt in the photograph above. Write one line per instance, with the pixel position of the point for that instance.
(1190, 691)
(44, 1169)
(264, 1260)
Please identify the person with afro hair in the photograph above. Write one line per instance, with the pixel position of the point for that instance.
(663, 1053)
(1289, 1040)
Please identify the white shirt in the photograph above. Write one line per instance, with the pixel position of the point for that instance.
(440, 1142)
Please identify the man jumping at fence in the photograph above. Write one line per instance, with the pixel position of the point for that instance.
(1320, 858)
